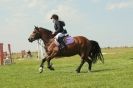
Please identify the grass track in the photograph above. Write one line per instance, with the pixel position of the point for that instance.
(117, 72)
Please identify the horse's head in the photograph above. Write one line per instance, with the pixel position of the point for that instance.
(35, 35)
(41, 33)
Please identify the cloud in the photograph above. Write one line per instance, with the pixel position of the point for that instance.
(120, 5)
(36, 3)
(117, 5)
(20, 16)
(67, 13)
(32, 3)
(95, 1)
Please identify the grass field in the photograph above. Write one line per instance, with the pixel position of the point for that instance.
(117, 72)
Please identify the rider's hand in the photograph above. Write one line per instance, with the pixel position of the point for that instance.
(53, 33)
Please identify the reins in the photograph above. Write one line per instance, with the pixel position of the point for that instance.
(39, 43)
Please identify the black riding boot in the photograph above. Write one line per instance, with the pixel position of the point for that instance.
(62, 43)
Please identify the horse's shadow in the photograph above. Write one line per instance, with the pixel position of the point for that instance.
(131, 58)
(101, 70)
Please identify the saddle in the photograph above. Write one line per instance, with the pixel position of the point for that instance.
(66, 39)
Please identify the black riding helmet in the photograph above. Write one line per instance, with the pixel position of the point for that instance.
(54, 16)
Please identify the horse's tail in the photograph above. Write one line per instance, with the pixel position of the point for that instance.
(95, 52)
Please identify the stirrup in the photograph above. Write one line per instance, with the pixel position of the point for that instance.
(61, 46)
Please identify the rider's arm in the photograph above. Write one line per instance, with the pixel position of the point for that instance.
(57, 27)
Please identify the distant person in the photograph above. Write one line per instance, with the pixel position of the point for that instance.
(29, 54)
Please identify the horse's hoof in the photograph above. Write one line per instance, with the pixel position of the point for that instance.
(77, 71)
(40, 70)
(51, 68)
(89, 71)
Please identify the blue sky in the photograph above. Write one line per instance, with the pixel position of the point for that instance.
(110, 22)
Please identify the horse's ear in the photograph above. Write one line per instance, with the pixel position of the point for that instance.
(36, 28)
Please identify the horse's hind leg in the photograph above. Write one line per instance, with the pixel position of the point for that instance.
(89, 61)
(42, 65)
(80, 66)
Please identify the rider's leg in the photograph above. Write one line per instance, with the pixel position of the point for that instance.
(59, 35)
(59, 38)
(62, 42)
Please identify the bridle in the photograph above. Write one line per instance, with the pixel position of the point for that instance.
(44, 40)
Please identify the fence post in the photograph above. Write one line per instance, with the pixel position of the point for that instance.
(10, 53)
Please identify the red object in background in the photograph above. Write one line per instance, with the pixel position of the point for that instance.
(1, 54)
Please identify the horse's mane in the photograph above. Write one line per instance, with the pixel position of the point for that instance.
(44, 29)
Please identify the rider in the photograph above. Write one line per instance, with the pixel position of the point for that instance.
(60, 32)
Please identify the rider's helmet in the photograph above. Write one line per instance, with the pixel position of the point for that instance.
(54, 16)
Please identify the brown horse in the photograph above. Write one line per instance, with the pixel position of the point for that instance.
(88, 50)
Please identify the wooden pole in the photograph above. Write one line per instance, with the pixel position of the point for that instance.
(38, 48)
(10, 53)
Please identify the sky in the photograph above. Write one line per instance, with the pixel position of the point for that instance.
(110, 22)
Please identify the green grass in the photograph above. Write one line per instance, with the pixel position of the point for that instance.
(117, 72)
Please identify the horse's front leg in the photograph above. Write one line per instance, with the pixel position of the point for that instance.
(50, 65)
(42, 65)
(49, 58)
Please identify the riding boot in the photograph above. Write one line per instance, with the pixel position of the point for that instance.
(61, 42)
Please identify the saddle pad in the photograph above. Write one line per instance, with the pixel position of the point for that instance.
(69, 40)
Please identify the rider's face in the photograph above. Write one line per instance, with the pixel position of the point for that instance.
(53, 20)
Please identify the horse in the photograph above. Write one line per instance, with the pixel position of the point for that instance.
(88, 50)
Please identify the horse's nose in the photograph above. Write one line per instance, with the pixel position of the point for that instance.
(29, 39)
